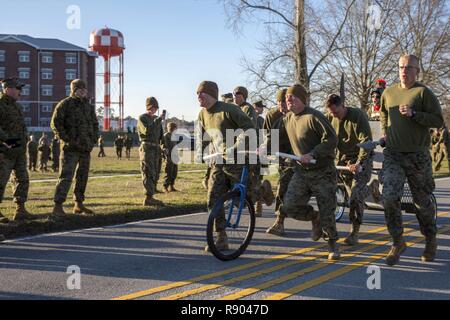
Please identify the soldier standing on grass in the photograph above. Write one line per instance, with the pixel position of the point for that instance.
(32, 148)
(312, 137)
(13, 138)
(149, 129)
(444, 147)
(44, 153)
(171, 167)
(101, 145)
(118, 144)
(75, 123)
(408, 111)
(128, 146)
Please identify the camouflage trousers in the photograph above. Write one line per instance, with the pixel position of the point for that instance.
(416, 168)
(158, 166)
(55, 164)
(357, 189)
(171, 171)
(101, 152)
(119, 153)
(223, 177)
(73, 164)
(43, 160)
(16, 164)
(304, 184)
(443, 153)
(149, 157)
(285, 171)
(32, 161)
(207, 174)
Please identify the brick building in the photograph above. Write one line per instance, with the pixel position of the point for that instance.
(46, 66)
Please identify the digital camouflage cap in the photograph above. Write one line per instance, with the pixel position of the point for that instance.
(77, 84)
(12, 83)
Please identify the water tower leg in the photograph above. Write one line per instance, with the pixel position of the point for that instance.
(107, 118)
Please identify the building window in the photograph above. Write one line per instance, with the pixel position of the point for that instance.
(47, 57)
(24, 56)
(24, 73)
(71, 74)
(71, 58)
(47, 91)
(26, 90)
(27, 121)
(25, 107)
(46, 107)
(2, 72)
(2, 55)
(47, 74)
(68, 91)
(44, 122)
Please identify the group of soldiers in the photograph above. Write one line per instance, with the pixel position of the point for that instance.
(43, 150)
(123, 141)
(407, 112)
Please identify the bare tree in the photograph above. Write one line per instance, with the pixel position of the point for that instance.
(290, 31)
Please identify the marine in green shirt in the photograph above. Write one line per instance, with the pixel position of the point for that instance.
(408, 111)
(352, 127)
(312, 137)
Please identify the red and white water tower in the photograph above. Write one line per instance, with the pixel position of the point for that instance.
(110, 44)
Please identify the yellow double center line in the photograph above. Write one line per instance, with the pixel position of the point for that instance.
(238, 269)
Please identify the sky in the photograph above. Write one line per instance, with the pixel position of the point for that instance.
(171, 45)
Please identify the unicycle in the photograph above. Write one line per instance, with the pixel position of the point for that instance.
(237, 209)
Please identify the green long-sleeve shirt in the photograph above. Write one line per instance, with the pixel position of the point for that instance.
(310, 132)
(150, 129)
(350, 131)
(409, 134)
(248, 109)
(220, 118)
(273, 121)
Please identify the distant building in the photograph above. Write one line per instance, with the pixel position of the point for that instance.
(46, 66)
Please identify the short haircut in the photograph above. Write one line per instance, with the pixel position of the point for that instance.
(411, 57)
(333, 99)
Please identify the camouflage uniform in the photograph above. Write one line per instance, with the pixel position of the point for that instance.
(159, 158)
(444, 147)
(56, 152)
(101, 145)
(118, 143)
(220, 117)
(171, 168)
(311, 133)
(128, 146)
(435, 144)
(32, 148)
(354, 128)
(12, 126)
(75, 124)
(149, 128)
(44, 153)
(407, 155)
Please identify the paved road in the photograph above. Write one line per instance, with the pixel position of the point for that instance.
(163, 259)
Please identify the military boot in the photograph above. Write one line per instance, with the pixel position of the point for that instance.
(430, 249)
(221, 243)
(316, 233)
(2, 237)
(166, 190)
(353, 237)
(333, 250)
(22, 213)
(79, 208)
(150, 201)
(398, 247)
(3, 219)
(172, 189)
(258, 209)
(278, 227)
(58, 212)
